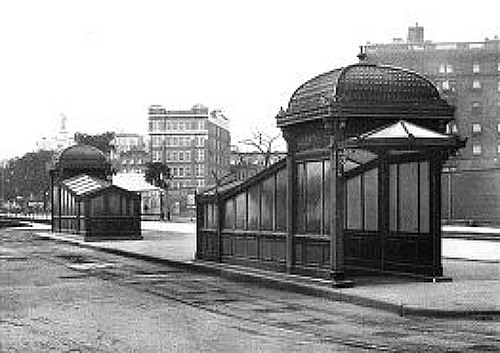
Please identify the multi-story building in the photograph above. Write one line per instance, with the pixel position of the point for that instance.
(133, 161)
(130, 154)
(247, 164)
(468, 77)
(125, 142)
(194, 143)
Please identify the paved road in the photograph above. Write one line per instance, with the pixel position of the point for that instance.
(56, 297)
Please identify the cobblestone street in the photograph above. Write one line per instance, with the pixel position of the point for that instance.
(58, 297)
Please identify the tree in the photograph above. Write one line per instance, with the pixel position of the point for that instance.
(27, 177)
(263, 143)
(101, 141)
(158, 174)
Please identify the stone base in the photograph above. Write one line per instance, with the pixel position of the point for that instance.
(339, 281)
(342, 284)
(439, 279)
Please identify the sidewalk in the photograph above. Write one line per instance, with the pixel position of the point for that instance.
(474, 291)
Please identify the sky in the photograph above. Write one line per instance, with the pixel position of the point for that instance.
(103, 63)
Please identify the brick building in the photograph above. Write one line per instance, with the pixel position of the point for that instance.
(194, 143)
(467, 75)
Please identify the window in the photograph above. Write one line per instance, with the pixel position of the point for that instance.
(156, 156)
(181, 156)
(169, 126)
(175, 141)
(476, 68)
(181, 125)
(445, 68)
(476, 108)
(157, 141)
(446, 85)
(169, 156)
(409, 197)
(174, 125)
(174, 156)
(187, 171)
(476, 150)
(201, 155)
(187, 156)
(476, 128)
(181, 171)
(476, 84)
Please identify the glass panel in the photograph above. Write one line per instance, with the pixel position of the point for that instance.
(241, 211)
(229, 219)
(114, 204)
(326, 197)
(267, 204)
(206, 209)
(371, 199)
(393, 197)
(408, 197)
(253, 207)
(281, 201)
(215, 215)
(354, 203)
(82, 208)
(55, 199)
(97, 206)
(63, 201)
(134, 207)
(124, 210)
(301, 198)
(424, 197)
(313, 196)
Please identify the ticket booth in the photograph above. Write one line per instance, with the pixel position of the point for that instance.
(359, 191)
(84, 201)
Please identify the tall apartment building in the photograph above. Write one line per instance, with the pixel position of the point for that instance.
(130, 154)
(468, 77)
(194, 143)
(125, 142)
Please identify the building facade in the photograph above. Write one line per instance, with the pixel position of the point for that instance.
(467, 75)
(130, 154)
(246, 164)
(195, 144)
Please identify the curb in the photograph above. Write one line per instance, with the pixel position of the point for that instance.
(279, 281)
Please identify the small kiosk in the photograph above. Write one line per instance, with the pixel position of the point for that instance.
(84, 202)
(359, 190)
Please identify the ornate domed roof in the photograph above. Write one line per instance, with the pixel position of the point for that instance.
(81, 157)
(364, 90)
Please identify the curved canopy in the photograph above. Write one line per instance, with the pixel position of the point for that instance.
(81, 157)
(365, 90)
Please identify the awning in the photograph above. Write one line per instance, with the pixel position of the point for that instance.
(85, 184)
(403, 136)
